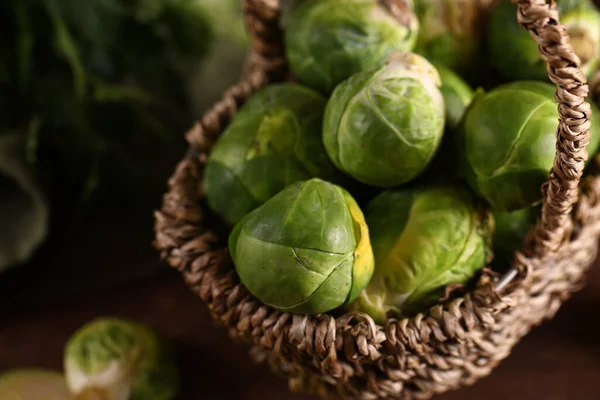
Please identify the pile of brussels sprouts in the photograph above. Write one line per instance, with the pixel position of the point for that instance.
(105, 359)
(408, 153)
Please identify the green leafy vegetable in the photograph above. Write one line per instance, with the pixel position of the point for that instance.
(97, 84)
(515, 55)
(451, 31)
(327, 41)
(511, 229)
(507, 143)
(116, 359)
(24, 212)
(306, 250)
(383, 126)
(424, 239)
(457, 96)
(274, 141)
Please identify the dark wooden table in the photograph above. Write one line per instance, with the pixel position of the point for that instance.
(557, 361)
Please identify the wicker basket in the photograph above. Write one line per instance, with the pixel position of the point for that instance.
(455, 342)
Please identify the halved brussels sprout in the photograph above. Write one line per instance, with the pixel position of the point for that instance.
(424, 239)
(515, 54)
(327, 41)
(33, 384)
(117, 359)
(451, 30)
(272, 142)
(384, 126)
(507, 143)
(457, 95)
(306, 250)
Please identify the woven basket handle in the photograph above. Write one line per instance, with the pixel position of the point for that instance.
(541, 19)
(561, 191)
(267, 55)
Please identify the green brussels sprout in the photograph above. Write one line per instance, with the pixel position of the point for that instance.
(424, 239)
(507, 143)
(272, 142)
(450, 31)
(511, 229)
(514, 53)
(306, 250)
(384, 126)
(117, 359)
(33, 384)
(457, 95)
(327, 41)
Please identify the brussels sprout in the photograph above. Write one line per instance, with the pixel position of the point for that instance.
(383, 126)
(424, 239)
(507, 143)
(511, 229)
(515, 54)
(116, 359)
(450, 30)
(457, 95)
(273, 141)
(33, 384)
(306, 250)
(327, 41)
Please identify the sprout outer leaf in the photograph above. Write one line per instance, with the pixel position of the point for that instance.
(424, 239)
(306, 250)
(383, 127)
(273, 141)
(327, 41)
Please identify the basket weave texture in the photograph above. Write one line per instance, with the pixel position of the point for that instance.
(452, 344)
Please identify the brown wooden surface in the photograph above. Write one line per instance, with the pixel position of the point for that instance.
(558, 361)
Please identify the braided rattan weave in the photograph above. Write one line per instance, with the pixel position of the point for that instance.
(454, 343)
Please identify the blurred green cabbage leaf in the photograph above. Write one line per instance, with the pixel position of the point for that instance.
(98, 85)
